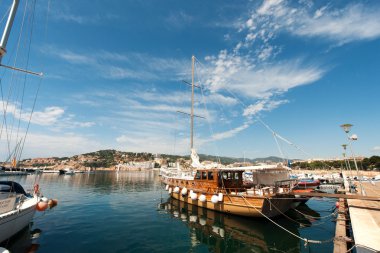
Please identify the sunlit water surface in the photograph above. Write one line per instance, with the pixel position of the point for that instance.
(131, 212)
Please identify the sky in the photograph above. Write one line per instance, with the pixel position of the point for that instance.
(273, 77)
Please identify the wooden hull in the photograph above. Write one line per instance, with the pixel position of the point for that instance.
(251, 206)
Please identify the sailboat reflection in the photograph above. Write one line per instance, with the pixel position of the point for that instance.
(229, 233)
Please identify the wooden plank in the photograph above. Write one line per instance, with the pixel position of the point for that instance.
(340, 244)
(335, 195)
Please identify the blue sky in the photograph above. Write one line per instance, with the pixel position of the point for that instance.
(113, 74)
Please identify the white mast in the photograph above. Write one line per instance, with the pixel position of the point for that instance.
(7, 29)
(192, 103)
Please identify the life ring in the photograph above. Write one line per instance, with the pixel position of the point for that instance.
(36, 188)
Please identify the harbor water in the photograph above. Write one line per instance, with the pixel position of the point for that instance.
(131, 212)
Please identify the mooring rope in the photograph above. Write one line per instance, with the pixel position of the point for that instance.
(322, 217)
(301, 223)
(290, 232)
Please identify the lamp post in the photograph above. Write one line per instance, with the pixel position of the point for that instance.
(346, 128)
(346, 162)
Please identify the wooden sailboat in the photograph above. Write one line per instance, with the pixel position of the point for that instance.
(223, 189)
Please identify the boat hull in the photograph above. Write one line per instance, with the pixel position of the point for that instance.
(250, 206)
(14, 221)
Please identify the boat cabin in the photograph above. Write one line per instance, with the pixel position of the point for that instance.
(220, 178)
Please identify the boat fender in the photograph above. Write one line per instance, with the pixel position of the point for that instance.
(193, 218)
(176, 189)
(183, 217)
(220, 197)
(167, 187)
(191, 192)
(193, 196)
(202, 221)
(184, 191)
(52, 203)
(221, 232)
(202, 198)
(44, 199)
(41, 206)
(170, 190)
(214, 199)
(4, 250)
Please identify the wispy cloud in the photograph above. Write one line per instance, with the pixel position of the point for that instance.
(352, 23)
(263, 105)
(239, 74)
(229, 133)
(179, 19)
(117, 66)
(52, 116)
(37, 145)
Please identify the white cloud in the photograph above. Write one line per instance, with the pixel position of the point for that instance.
(43, 145)
(238, 74)
(110, 65)
(351, 23)
(263, 105)
(47, 117)
(376, 149)
(229, 133)
(355, 22)
(53, 116)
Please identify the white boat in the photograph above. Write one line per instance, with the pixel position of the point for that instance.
(17, 208)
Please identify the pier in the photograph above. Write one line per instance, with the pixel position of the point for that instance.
(365, 219)
(361, 212)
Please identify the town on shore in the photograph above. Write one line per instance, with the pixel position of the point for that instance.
(132, 161)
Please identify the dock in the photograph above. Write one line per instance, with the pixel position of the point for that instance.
(360, 212)
(365, 219)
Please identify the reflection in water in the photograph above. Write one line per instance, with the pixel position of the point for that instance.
(24, 241)
(229, 233)
(116, 212)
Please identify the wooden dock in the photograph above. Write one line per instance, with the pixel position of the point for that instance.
(361, 212)
(365, 219)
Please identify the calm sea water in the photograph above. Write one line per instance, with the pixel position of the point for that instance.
(131, 212)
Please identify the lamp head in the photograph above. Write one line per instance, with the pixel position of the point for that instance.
(346, 127)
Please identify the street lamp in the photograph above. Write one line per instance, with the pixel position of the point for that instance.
(347, 163)
(346, 128)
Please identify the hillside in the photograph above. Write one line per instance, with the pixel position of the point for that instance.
(110, 158)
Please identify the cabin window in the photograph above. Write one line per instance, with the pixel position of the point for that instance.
(224, 175)
(204, 175)
(229, 175)
(210, 175)
(237, 176)
(198, 175)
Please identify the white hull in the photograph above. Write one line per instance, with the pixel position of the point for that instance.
(15, 220)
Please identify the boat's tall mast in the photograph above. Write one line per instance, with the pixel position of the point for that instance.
(192, 103)
(7, 29)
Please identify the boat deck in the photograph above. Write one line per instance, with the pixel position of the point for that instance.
(365, 218)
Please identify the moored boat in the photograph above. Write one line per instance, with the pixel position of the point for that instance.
(17, 208)
(223, 189)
